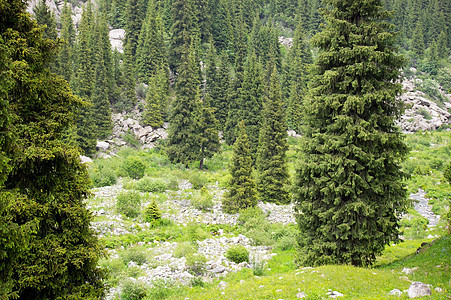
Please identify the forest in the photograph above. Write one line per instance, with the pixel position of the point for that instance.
(229, 202)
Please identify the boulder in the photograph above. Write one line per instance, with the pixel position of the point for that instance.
(116, 38)
(85, 159)
(418, 289)
(102, 145)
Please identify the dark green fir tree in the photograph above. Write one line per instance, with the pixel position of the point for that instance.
(151, 51)
(156, 99)
(65, 61)
(183, 140)
(251, 102)
(349, 184)
(242, 189)
(51, 250)
(219, 90)
(208, 131)
(44, 16)
(272, 167)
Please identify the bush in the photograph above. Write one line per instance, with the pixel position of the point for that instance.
(197, 179)
(161, 289)
(151, 185)
(237, 254)
(204, 202)
(134, 167)
(133, 290)
(183, 249)
(196, 263)
(129, 204)
(105, 176)
(136, 254)
(152, 212)
(196, 233)
(258, 267)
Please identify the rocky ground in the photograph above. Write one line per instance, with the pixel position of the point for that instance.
(176, 208)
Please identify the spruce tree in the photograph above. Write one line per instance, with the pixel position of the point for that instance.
(151, 52)
(156, 99)
(45, 17)
(242, 189)
(65, 64)
(183, 140)
(133, 23)
(349, 189)
(272, 168)
(418, 44)
(219, 91)
(46, 185)
(251, 102)
(207, 131)
(295, 80)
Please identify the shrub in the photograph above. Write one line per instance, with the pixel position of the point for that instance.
(134, 167)
(133, 290)
(152, 212)
(197, 281)
(103, 177)
(258, 267)
(237, 254)
(161, 289)
(204, 202)
(183, 249)
(152, 185)
(197, 179)
(250, 213)
(196, 263)
(136, 254)
(196, 233)
(129, 203)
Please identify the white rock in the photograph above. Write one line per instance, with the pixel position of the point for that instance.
(301, 295)
(85, 159)
(418, 289)
(102, 145)
(395, 292)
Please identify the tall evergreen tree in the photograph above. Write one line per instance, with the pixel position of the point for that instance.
(185, 31)
(65, 64)
(207, 131)
(156, 99)
(133, 23)
(242, 189)
(295, 80)
(128, 92)
(418, 44)
(349, 189)
(99, 98)
(45, 183)
(251, 102)
(273, 177)
(151, 51)
(219, 92)
(183, 140)
(44, 16)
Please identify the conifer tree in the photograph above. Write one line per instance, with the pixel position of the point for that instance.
(273, 177)
(295, 80)
(242, 189)
(418, 44)
(65, 59)
(441, 45)
(183, 140)
(185, 31)
(156, 99)
(219, 92)
(349, 189)
(99, 98)
(45, 184)
(45, 17)
(251, 102)
(83, 87)
(128, 93)
(208, 131)
(133, 23)
(151, 52)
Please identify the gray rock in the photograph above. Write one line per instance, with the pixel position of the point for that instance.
(395, 292)
(85, 159)
(116, 38)
(219, 269)
(301, 295)
(102, 145)
(418, 289)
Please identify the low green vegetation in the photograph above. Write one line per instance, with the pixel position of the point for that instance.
(278, 277)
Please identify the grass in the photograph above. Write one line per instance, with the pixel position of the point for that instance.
(280, 278)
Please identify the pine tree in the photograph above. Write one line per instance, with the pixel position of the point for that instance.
(183, 140)
(45, 17)
(99, 98)
(295, 80)
(273, 177)
(129, 93)
(156, 99)
(133, 23)
(83, 87)
(251, 102)
(151, 52)
(185, 31)
(65, 62)
(441, 45)
(349, 189)
(418, 44)
(44, 193)
(207, 131)
(242, 189)
(219, 92)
